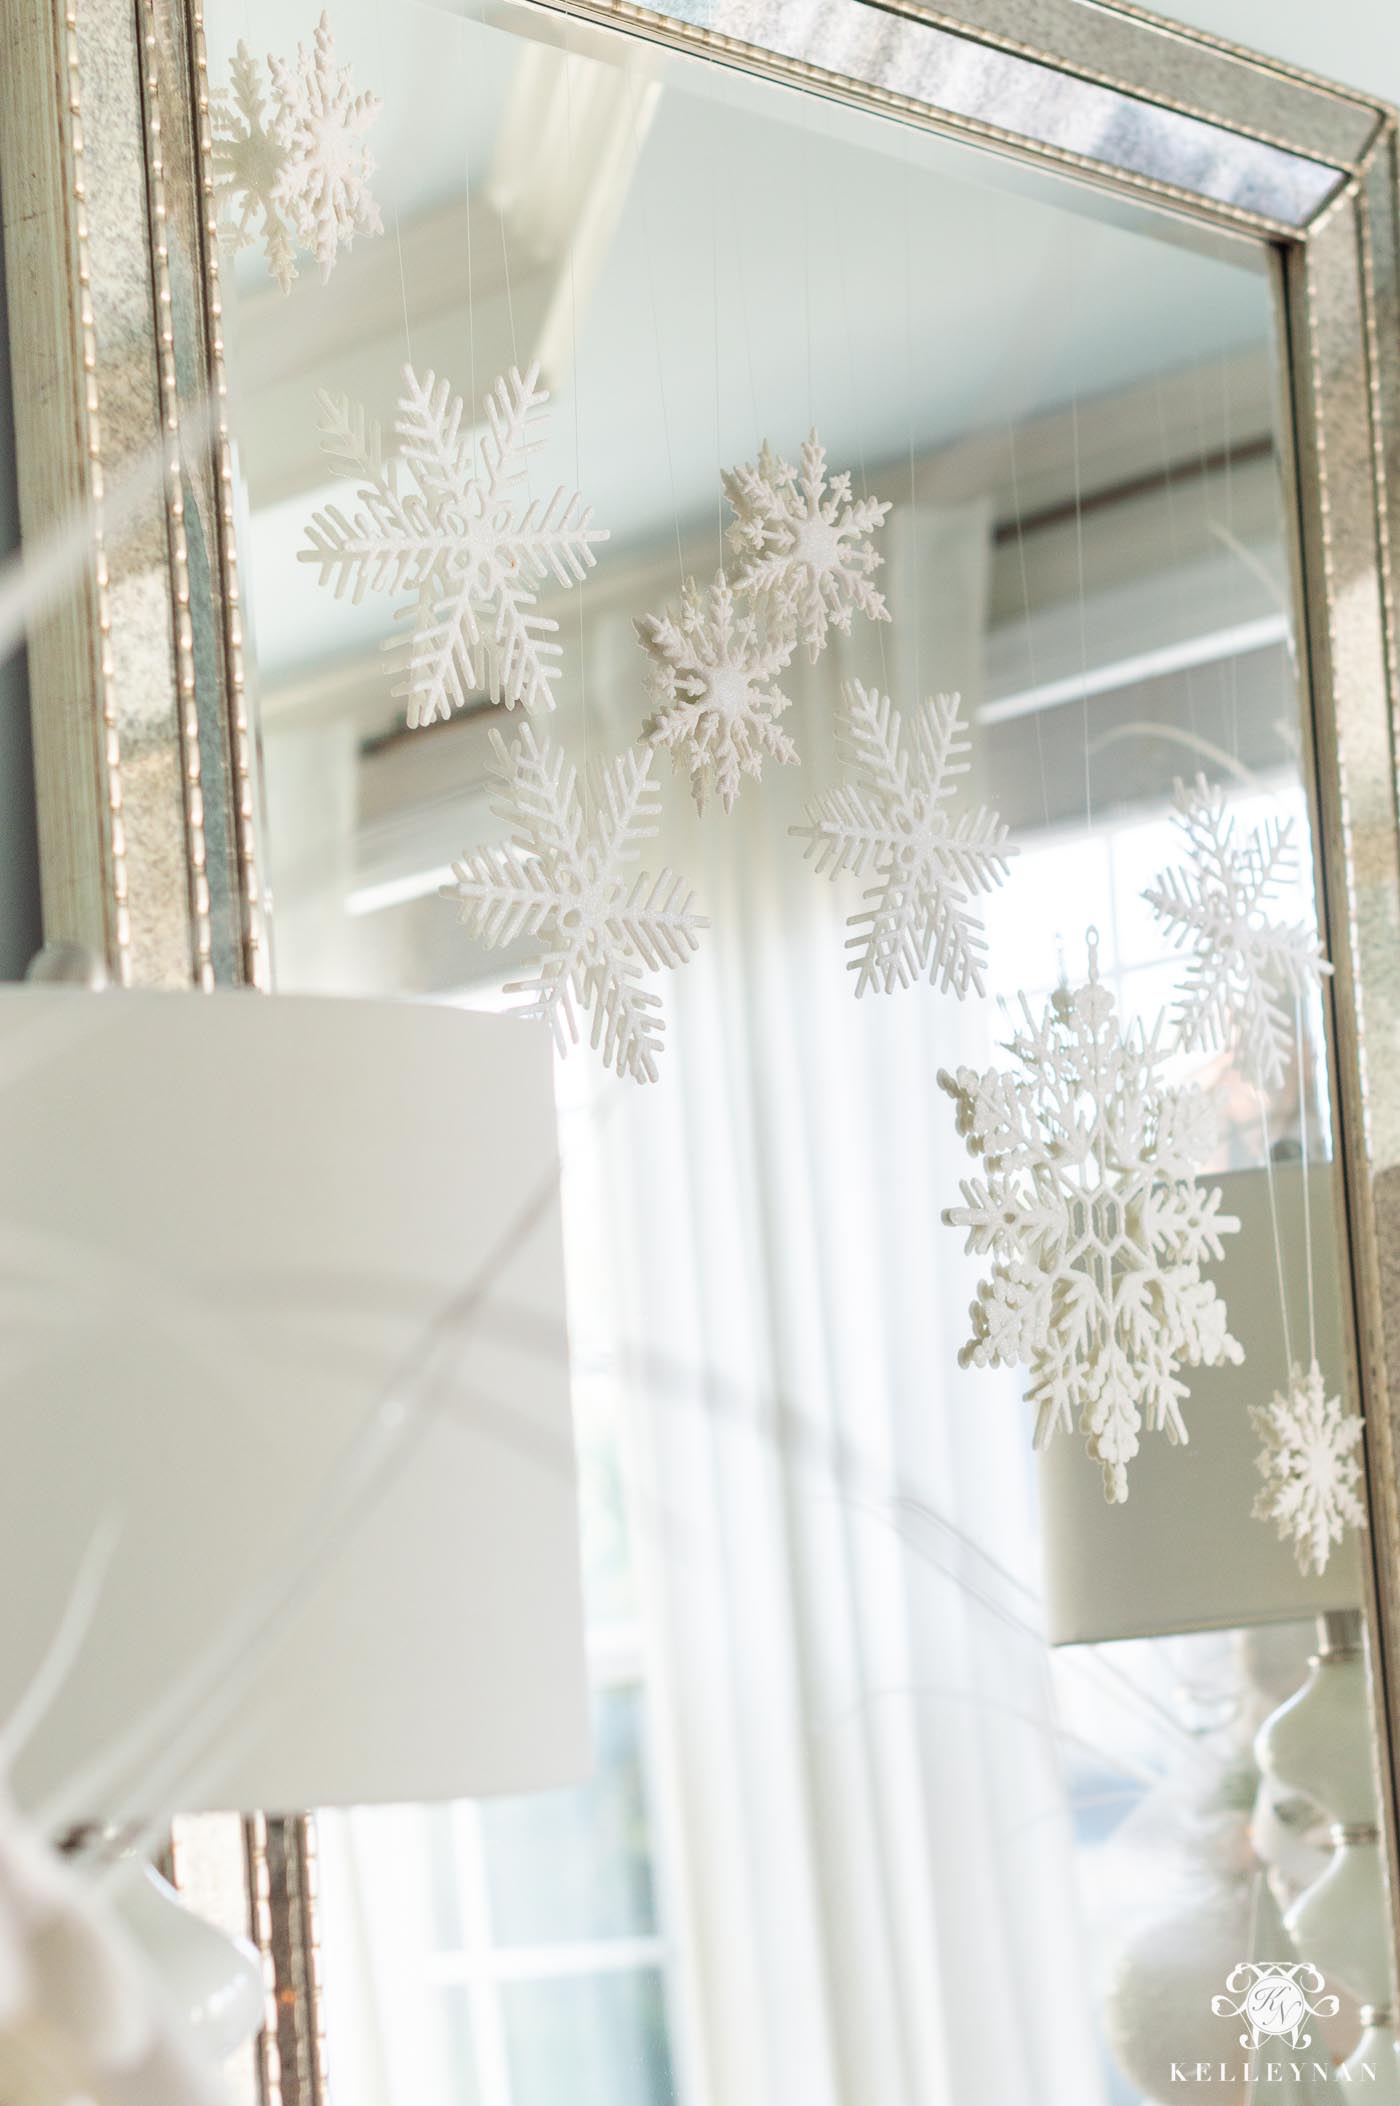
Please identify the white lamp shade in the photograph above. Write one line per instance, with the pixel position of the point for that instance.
(1183, 1552)
(225, 1220)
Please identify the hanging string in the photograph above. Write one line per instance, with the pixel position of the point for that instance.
(500, 99)
(644, 192)
(394, 212)
(584, 725)
(913, 574)
(714, 345)
(1173, 531)
(857, 398)
(1072, 304)
(1303, 1121)
(736, 236)
(1217, 668)
(1232, 588)
(806, 137)
(1038, 715)
(1083, 634)
(471, 267)
(1274, 1223)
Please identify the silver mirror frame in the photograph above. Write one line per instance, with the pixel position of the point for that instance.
(147, 773)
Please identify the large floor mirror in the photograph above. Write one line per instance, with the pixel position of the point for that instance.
(923, 1771)
(832, 613)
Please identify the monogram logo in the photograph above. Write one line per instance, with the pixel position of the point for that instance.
(1275, 1998)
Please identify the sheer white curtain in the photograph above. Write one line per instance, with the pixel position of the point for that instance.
(389, 2041)
(870, 1885)
(863, 1842)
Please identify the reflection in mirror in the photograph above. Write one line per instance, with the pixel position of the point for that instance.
(923, 1771)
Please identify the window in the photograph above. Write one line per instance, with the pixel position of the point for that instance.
(529, 1933)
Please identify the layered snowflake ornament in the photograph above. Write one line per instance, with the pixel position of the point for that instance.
(292, 155)
(804, 544)
(1245, 969)
(896, 817)
(564, 876)
(449, 526)
(714, 662)
(1309, 1467)
(1090, 1207)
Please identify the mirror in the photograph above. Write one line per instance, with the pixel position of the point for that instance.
(923, 1770)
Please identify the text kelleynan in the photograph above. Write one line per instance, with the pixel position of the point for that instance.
(1247, 2073)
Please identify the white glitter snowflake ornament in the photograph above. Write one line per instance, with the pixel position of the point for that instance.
(804, 544)
(1309, 1469)
(1245, 969)
(301, 164)
(458, 536)
(713, 664)
(895, 817)
(562, 876)
(1091, 1208)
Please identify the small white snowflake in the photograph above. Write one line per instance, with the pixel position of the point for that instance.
(1091, 1208)
(1243, 966)
(892, 818)
(463, 542)
(303, 166)
(562, 876)
(1309, 1470)
(804, 543)
(711, 677)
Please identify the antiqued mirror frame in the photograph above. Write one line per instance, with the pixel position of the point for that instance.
(145, 759)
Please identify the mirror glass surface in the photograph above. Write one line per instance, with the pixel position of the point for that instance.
(922, 1772)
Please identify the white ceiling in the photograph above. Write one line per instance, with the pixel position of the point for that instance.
(776, 262)
(1356, 42)
(995, 306)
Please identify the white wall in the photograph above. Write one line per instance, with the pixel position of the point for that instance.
(1356, 42)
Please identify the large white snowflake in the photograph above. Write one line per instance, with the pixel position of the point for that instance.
(302, 164)
(563, 876)
(1245, 969)
(713, 665)
(1309, 1469)
(1091, 1208)
(804, 543)
(465, 541)
(894, 817)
